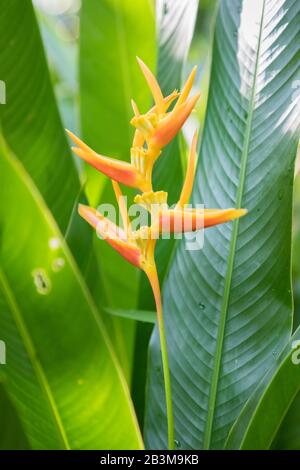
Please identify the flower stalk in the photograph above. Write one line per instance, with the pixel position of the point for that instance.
(153, 279)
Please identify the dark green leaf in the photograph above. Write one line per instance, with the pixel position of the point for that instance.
(228, 307)
(288, 435)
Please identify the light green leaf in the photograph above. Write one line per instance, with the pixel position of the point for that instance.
(61, 372)
(259, 422)
(228, 307)
(139, 315)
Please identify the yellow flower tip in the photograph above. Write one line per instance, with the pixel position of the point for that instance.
(78, 141)
(240, 213)
(122, 207)
(220, 216)
(152, 82)
(193, 151)
(187, 87)
(168, 100)
(191, 103)
(190, 174)
(135, 108)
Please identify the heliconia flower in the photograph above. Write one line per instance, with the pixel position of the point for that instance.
(154, 130)
(157, 127)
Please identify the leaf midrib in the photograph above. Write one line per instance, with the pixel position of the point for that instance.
(231, 257)
(30, 349)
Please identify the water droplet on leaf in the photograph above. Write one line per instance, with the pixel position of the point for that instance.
(280, 194)
(177, 444)
(58, 264)
(54, 243)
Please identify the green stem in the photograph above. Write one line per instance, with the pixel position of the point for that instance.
(153, 278)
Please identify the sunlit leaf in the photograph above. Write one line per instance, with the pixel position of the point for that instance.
(61, 372)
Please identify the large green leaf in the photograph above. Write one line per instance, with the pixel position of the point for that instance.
(30, 119)
(61, 373)
(228, 307)
(257, 426)
(175, 26)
